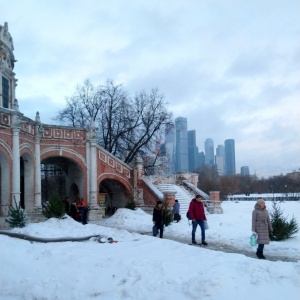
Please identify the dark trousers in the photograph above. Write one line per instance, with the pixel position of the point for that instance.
(201, 224)
(83, 215)
(260, 247)
(156, 229)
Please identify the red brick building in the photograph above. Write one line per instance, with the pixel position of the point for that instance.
(32, 153)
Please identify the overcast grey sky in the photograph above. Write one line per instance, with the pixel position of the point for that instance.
(232, 68)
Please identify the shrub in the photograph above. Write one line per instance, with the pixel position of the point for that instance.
(169, 217)
(282, 229)
(131, 205)
(55, 207)
(17, 216)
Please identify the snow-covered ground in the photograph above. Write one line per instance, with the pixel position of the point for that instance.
(142, 267)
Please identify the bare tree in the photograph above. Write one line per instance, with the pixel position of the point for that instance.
(82, 108)
(125, 125)
(151, 116)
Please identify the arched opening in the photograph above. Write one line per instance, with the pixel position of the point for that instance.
(26, 182)
(112, 195)
(63, 175)
(4, 186)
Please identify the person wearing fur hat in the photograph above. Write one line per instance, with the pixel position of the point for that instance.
(261, 224)
(158, 219)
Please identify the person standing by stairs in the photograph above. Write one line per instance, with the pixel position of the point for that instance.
(197, 215)
(176, 211)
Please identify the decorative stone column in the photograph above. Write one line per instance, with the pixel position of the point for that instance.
(16, 123)
(38, 132)
(138, 173)
(94, 208)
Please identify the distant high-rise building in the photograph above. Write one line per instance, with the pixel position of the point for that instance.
(220, 159)
(181, 152)
(245, 171)
(230, 157)
(201, 159)
(192, 151)
(209, 152)
(169, 148)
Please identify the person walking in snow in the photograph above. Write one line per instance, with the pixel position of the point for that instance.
(176, 211)
(197, 215)
(261, 225)
(158, 219)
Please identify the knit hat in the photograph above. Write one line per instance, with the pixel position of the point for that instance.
(260, 202)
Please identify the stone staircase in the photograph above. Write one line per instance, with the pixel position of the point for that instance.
(182, 195)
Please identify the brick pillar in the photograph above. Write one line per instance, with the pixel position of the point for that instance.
(214, 206)
(214, 196)
(169, 198)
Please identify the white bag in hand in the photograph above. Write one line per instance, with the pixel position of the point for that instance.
(206, 225)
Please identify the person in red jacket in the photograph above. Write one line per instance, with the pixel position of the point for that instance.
(197, 214)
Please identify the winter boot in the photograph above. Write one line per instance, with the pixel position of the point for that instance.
(262, 255)
(259, 254)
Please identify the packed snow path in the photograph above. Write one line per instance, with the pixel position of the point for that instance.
(215, 246)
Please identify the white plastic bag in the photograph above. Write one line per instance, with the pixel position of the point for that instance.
(253, 239)
(206, 225)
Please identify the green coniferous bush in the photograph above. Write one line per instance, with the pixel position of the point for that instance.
(55, 207)
(130, 204)
(17, 216)
(169, 217)
(282, 228)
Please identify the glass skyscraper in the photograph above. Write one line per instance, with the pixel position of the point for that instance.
(209, 152)
(230, 157)
(181, 155)
(169, 149)
(245, 171)
(192, 151)
(220, 159)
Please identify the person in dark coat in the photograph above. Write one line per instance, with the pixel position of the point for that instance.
(197, 215)
(67, 205)
(261, 225)
(82, 207)
(158, 219)
(176, 211)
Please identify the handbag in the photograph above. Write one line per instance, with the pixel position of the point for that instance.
(206, 225)
(253, 239)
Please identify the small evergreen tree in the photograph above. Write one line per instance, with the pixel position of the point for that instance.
(17, 216)
(55, 207)
(131, 204)
(169, 217)
(282, 229)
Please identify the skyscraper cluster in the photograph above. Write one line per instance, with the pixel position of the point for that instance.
(184, 156)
